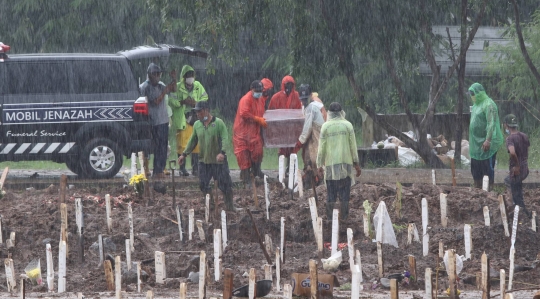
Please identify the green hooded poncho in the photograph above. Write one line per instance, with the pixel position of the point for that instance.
(178, 110)
(485, 125)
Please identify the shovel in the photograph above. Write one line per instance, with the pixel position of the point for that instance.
(172, 166)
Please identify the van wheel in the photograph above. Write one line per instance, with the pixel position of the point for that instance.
(100, 159)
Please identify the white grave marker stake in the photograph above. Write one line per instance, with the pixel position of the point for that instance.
(202, 275)
(313, 212)
(502, 282)
(268, 272)
(108, 212)
(179, 220)
(444, 209)
(128, 254)
(503, 216)
(62, 267)
(1, 238)
(251, 291)
(429, 292)
(100, 248)
(131, 235)
(141, 162)
(281, 169)
(533, 221)
(138, 277)
(133, 165)
(468, 240)
(161, 270)
(266, 196)
(355, 290)
(50, 268)
(217, 254)
(118, 276)
(191, 227)
(292, 170)
(278, 269)
(282, 237)
(10, 274)
(425, 236)
(350, 247)
(224, 228)
(287, 291)
(268, 243)
(300, 183)
(511, 268)
(487, 220)
(319, 235)
(201, 230)
(485, 183)
(366, 225)
(335, 230)
(207, 208)
(359, 265)
(514, 225)
(434, 181)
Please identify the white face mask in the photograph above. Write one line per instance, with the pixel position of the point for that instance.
(190, 80)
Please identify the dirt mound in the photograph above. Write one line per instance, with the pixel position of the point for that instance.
(35, 217)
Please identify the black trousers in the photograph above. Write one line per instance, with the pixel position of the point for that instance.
(339, 187)
(219, 172)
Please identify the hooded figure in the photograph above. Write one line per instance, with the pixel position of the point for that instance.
(286, 98)
(247, 141)
(188, 93)
(485, 136)
(309, 138)
(336, 158)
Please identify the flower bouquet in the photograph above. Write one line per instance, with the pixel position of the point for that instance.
(137, 181)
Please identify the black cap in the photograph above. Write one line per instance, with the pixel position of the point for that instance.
(304, 91)
(334, 107)
(257, 85)
(511, 120)
(153, 68)
(201, 105)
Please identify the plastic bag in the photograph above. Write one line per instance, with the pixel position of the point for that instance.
(459, 262)
(33, 271)
(384, 231)
(333, 262)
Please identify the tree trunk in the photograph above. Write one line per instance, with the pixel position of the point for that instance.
(461, 86)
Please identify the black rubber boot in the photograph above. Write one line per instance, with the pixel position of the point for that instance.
(344, 210)
(195, 164)
(256, 167)
(229, 204)
(182, 170)
(330, 210)
(245, 176)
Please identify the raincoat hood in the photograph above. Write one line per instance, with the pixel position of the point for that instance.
(286, 80)
(186, 68)
(267, 84)
(479, 93)
(484, 125)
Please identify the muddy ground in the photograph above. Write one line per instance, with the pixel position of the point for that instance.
(34, 216)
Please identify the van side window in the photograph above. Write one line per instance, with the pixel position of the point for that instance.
(37, 78)
(93, 76)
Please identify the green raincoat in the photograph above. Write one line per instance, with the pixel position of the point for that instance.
(178, 110)
(485, 125)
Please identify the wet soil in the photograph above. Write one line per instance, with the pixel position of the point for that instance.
(35, 217)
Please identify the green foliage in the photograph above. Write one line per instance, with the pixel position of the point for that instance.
(516, 83)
